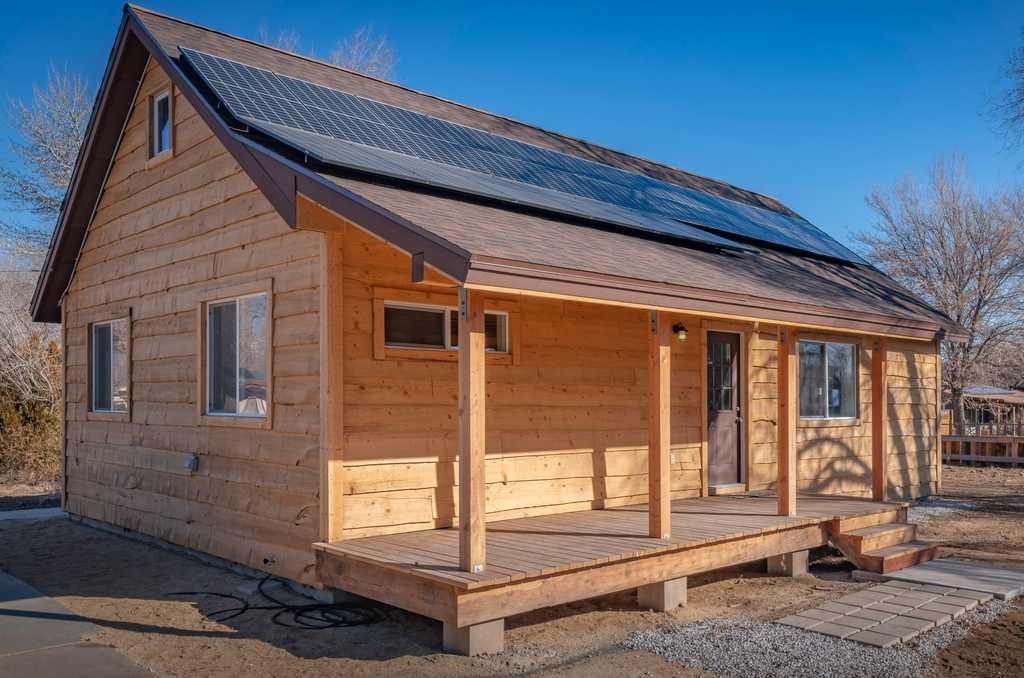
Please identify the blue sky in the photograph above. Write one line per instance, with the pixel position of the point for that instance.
(811, 105)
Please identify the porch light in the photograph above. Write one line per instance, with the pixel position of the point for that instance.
(679, 329)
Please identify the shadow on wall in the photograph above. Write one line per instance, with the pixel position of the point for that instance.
(905, 440)
(847, 470)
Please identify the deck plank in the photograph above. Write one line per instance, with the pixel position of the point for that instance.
(536, 546)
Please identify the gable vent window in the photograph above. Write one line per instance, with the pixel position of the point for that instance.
(108, 366)
(160, 124)
(437, 327)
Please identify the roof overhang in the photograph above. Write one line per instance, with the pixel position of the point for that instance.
(502, 275)
(125, 67)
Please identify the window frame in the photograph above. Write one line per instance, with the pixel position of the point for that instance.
(825, 419)
(450, 342)
(107, 318)
(397, 297)
(152, 134)
(219, 295)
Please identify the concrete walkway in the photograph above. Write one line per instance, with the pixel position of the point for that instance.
(1003, 583)
(33, 514)
(40, 637)
(889, 613)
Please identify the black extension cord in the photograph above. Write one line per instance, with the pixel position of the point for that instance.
(313, 616)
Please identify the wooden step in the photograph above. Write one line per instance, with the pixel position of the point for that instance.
(892, 558)
(897, 514)
(879, 536)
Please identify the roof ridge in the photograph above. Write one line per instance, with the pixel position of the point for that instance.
(778, 205)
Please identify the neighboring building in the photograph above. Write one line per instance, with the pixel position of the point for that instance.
(293, 296)
(989, 411)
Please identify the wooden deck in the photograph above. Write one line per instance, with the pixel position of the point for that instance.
(546, 560)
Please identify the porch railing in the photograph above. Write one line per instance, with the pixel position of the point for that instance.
(988, 449)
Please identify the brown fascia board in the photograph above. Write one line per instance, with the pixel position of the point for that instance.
(125, 67)
(488, 272)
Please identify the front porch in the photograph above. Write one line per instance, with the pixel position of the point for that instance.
(548, 560)
(602, 404)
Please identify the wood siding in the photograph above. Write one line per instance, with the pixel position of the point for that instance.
(836, 458)
(162, 236)
(566, 418)
(913, 433)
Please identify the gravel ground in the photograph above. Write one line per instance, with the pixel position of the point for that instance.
(744, 647)
(938, 507)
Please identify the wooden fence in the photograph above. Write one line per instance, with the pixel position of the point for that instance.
(994, 449)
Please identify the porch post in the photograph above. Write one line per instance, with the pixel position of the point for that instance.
(472, 345)
(938, 416)
(659, 430)
(879, 421)
(788, 410)
(332, 389)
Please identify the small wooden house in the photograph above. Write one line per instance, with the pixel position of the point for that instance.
(362, 337)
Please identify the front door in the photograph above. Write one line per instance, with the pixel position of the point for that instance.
(724, 416)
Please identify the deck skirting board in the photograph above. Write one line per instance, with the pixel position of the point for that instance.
(421, 595)
(473, 607)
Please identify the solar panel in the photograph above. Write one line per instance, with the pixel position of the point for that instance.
(345, 130)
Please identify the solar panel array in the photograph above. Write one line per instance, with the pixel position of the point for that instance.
(342, 129)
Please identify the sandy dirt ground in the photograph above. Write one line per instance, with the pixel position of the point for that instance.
(981, 517)
(123, 586)
(15, 495)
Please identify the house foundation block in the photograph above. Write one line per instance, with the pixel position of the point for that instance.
(662, 596)
(788, 564)
(484, 638)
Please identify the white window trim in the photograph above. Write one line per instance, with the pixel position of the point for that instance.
(856, 374)
(154, 131)
(449, 344)
(208, 343)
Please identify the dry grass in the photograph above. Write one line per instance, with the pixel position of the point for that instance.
(29, 442)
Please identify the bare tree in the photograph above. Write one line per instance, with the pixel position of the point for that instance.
(964, 254)
(286, 39)
(29, 352)
(364, 52)
(49, 130)
(1004, 367)
(1009, 107)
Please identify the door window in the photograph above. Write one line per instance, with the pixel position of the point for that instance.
(720, 381)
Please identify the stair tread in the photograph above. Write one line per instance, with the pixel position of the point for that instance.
(900, 549)
(874, 530)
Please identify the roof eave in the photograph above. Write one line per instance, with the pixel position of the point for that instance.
(114, 98)
(515, 276)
